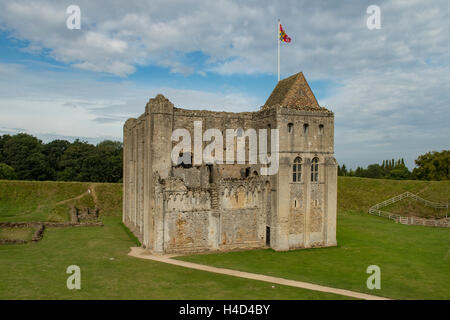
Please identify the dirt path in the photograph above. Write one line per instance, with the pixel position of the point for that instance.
(71, 199)
(423, 190)
(142, 254)
(90, 190)
(94, 195)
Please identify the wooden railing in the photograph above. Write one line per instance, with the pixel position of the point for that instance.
(445, 222)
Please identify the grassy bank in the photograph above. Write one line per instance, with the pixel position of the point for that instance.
(358, 194)
(51, 201)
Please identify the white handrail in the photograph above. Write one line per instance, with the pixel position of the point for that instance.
(410, 220)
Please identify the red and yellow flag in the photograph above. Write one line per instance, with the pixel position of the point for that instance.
(283, 36)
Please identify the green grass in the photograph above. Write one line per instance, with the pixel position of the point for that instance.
(414, 260)
(411, 207)
(109, 198)
(16, 233)
(40, 201)
(38, 271)
(358, 194)
(130, 234)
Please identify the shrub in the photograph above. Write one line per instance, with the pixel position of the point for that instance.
(7, 172)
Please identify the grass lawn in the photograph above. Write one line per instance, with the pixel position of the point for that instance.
(38, 271)
(414, 260)
(16, 233)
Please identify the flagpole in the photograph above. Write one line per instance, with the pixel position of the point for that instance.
(278, 40)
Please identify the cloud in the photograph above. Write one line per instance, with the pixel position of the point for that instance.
(49, 103)
(379, 115)
(391, 91)
(238, 37)
(329, 39)
(109, 119)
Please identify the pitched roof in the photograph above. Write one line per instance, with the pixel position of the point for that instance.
(294, 92)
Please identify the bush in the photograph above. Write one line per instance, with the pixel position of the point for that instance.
(7, 172)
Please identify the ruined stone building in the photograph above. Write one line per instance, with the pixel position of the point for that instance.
(175, 207)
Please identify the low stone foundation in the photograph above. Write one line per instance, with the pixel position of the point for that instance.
(40, 227)
(83, 215)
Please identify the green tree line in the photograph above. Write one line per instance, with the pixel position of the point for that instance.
(430, 166)
(25, 157)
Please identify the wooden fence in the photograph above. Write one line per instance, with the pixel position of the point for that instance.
(444, 222)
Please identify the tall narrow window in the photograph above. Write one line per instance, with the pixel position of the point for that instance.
(320, 129)
(315, 170)
(305, 129)
(297, 170)
(290, 127)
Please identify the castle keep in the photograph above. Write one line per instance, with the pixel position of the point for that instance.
(181, 207)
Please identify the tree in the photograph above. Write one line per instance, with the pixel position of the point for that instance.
(7, 172)
(400, 172)
(359, 172)
(374, 171)
(344, 170)
(433, 166)
(3, 139)
(54, 151)
(23, 152)
(74, 163)
(30, 159)
(111, 152)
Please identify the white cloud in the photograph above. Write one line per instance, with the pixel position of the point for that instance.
(393, 83)
(52, 104)
(329, 39)
(380, 115)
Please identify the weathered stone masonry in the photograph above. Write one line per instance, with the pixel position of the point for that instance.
(179, 209)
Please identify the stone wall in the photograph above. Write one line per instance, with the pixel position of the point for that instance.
(243, 217)
(39, 228)
(192, 223)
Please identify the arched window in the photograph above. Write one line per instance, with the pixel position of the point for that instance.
(297, 170)
(305, 129)
(290, 127)
(320, 129)
(315, 170)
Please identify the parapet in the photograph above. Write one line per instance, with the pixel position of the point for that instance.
(159, 104)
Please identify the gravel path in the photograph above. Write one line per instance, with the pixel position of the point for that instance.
(141, 253)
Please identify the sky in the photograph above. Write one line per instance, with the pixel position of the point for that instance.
(389, 88)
